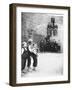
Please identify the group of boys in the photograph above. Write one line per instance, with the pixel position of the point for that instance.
(29, 51)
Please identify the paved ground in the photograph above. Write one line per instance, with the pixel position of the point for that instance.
(48, 64)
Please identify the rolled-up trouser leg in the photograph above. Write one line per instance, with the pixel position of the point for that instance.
(23, 63)
(34, 60)
(29, 61)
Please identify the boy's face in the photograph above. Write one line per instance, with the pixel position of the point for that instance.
(25, 45)
(29, 42)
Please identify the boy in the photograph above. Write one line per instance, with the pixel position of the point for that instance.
(25, 56)
(32, 47)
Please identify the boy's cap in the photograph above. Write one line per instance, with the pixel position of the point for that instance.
(30, 40)
(24, 44)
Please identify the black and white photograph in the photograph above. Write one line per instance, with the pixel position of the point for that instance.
(42, 44)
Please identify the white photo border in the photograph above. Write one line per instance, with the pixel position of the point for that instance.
(20, 79)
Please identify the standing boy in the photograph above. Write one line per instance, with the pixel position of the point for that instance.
(25, 56)
(32, 47)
